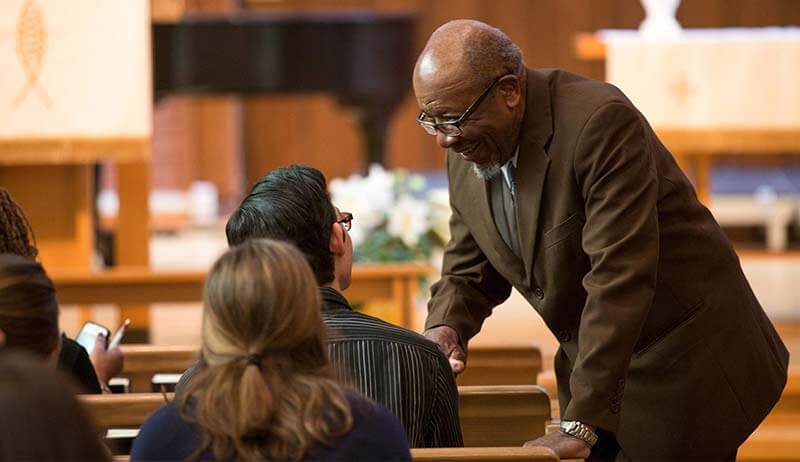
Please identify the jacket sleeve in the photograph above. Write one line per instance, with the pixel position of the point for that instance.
(470, 286)
(615, 170)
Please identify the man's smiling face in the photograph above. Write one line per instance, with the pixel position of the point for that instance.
(488, 135)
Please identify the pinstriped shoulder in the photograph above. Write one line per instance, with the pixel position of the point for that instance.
(352, 325)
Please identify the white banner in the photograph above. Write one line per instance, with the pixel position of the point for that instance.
(710, 78)
(75, 69)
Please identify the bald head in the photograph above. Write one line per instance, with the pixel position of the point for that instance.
(469, 52)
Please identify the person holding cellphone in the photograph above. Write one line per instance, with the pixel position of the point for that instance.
(29, 322)
(91, 372)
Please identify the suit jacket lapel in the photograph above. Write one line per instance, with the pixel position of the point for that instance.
(532, 164)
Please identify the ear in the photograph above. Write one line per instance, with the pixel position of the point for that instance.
(336, 243)
(510, 89)
(2, 338)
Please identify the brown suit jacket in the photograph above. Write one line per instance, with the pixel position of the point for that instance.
(662, 341)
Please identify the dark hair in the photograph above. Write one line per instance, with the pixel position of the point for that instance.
(40, 418)
(266, 390)
(16, 235)
(289, 204)
(28, 306)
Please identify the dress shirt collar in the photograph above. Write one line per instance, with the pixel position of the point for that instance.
(332, 300)
(505, 169)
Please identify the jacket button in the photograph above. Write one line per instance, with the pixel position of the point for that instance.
(564, 336)
(538, 292)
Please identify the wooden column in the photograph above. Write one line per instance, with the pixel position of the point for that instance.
(132, 243)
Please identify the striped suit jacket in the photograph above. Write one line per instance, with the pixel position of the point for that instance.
(394, 366)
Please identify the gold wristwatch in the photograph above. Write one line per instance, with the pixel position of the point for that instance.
(578, 430)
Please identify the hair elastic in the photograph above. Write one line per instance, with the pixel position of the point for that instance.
(255, 360)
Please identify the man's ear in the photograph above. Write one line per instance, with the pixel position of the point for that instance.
(2, 338)
(510, 90)
(336, 243)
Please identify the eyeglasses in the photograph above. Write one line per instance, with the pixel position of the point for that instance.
(346, 220)
(453, 127)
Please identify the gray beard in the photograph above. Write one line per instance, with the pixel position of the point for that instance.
(486, 173)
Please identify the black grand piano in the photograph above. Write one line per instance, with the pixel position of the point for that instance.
(364, 58)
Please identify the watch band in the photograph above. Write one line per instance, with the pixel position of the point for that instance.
(579, 430)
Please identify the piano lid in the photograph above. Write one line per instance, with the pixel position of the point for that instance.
(355, 54)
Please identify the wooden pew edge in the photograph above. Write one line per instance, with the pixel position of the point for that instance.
(482, 453)
(464, 454)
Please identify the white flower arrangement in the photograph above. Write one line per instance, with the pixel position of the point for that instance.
(395, 217)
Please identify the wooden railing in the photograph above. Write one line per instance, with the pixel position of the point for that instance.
(396, 283)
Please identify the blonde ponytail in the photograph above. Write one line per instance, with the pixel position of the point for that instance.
(264, 389)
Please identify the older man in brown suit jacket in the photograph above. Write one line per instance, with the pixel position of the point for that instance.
(560, 188)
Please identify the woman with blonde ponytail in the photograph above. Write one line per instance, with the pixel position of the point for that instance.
(265, 389)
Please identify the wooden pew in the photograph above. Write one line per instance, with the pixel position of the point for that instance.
(490, 415)
(511, 454)
(502, 365)
(488, 364)
(123, 410)
(506, 415)
(143, 361)
(501, 454)
(547, 380)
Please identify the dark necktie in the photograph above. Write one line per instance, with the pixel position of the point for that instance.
(503, 212)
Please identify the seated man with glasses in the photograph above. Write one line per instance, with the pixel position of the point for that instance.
(389, 364)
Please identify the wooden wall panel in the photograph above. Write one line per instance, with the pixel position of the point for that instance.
(220, 145)
(283, 129)
(308, 129)
(173, 162)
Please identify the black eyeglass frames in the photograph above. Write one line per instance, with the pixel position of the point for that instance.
(346, 220)
(453, 127)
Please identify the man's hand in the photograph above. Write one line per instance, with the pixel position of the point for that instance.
(565, 446)
(107, 363)
(447, 339)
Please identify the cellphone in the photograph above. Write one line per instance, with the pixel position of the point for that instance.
(118, 334)
(88, 334)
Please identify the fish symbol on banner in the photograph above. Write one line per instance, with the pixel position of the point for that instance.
(31, 48)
